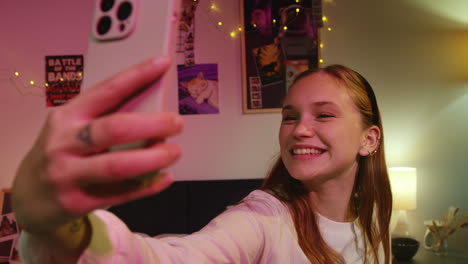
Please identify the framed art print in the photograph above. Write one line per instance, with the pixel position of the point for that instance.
(280, 40)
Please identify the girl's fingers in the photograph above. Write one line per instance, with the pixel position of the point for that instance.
(103, 195)
(120, 128)
(116, 166)
(109, 94)
(60, 178)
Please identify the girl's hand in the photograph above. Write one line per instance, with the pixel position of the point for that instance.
(69, 171)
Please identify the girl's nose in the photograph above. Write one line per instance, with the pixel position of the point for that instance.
(302, 130)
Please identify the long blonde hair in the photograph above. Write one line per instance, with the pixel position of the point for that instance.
(372, 197)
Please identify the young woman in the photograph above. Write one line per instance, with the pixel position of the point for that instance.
(327, 199)
(333, 163)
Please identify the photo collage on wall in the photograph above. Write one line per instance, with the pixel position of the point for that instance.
(186, 37)
(280, 41)
(9, 231)
(198, 89)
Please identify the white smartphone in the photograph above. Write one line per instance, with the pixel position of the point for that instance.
(126, 32)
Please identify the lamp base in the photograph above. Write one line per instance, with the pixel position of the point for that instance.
(399, 226)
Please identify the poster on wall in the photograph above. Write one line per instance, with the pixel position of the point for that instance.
(64, 75)
(198, 89)
(9, 230)
(280, 40)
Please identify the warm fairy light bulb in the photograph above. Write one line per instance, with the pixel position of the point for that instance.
(61, 79)
(220, 23)
(31, 82)
(297, 10)
(80, 74)
(285, 28)
(329, 29)
(324, 18)
(321, 45)
(254, 25)
(46, 85)
(214, 7)
(321, 60)
(297, 1)
(239, 28)
(16, 73)
(274, 20)
(232, 34)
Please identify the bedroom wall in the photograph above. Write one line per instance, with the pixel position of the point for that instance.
(413, 52)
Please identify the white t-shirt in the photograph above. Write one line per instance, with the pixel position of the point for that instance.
(258, 230)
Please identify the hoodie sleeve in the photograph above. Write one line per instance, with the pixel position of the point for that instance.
(241, 234)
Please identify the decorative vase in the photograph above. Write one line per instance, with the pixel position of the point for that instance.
(436, 242)
(404, 248)
(441, 248)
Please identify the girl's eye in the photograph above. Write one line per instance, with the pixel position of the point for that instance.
(324, 116)
(288, 118)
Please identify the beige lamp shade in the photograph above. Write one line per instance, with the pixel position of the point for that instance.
(403, 182)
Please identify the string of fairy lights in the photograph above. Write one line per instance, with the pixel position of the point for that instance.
(21, 84)
(235, 31)
(214, 13)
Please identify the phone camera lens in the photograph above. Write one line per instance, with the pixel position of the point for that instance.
(104, 25)
(124, 11)
(106, 5)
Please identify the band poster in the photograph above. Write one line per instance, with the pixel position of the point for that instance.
(64, 75)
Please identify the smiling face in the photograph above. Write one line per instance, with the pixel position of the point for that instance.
(322, 132)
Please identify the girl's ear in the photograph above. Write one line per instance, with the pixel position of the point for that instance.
(370, 141)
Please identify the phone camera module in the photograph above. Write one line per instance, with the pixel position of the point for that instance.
(122, 27)
(104, 25)
(107, 5)
(124, 11)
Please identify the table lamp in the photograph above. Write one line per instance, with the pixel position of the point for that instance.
(403, 183)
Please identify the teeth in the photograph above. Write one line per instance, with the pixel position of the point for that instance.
(303, 151)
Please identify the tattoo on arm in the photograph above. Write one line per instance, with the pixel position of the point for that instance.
(76, 225)
(70, 240)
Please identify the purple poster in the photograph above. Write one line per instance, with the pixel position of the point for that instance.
(198, 89)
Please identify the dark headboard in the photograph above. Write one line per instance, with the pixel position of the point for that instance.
(185, 207)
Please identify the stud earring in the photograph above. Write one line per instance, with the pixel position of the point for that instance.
(373, 152)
